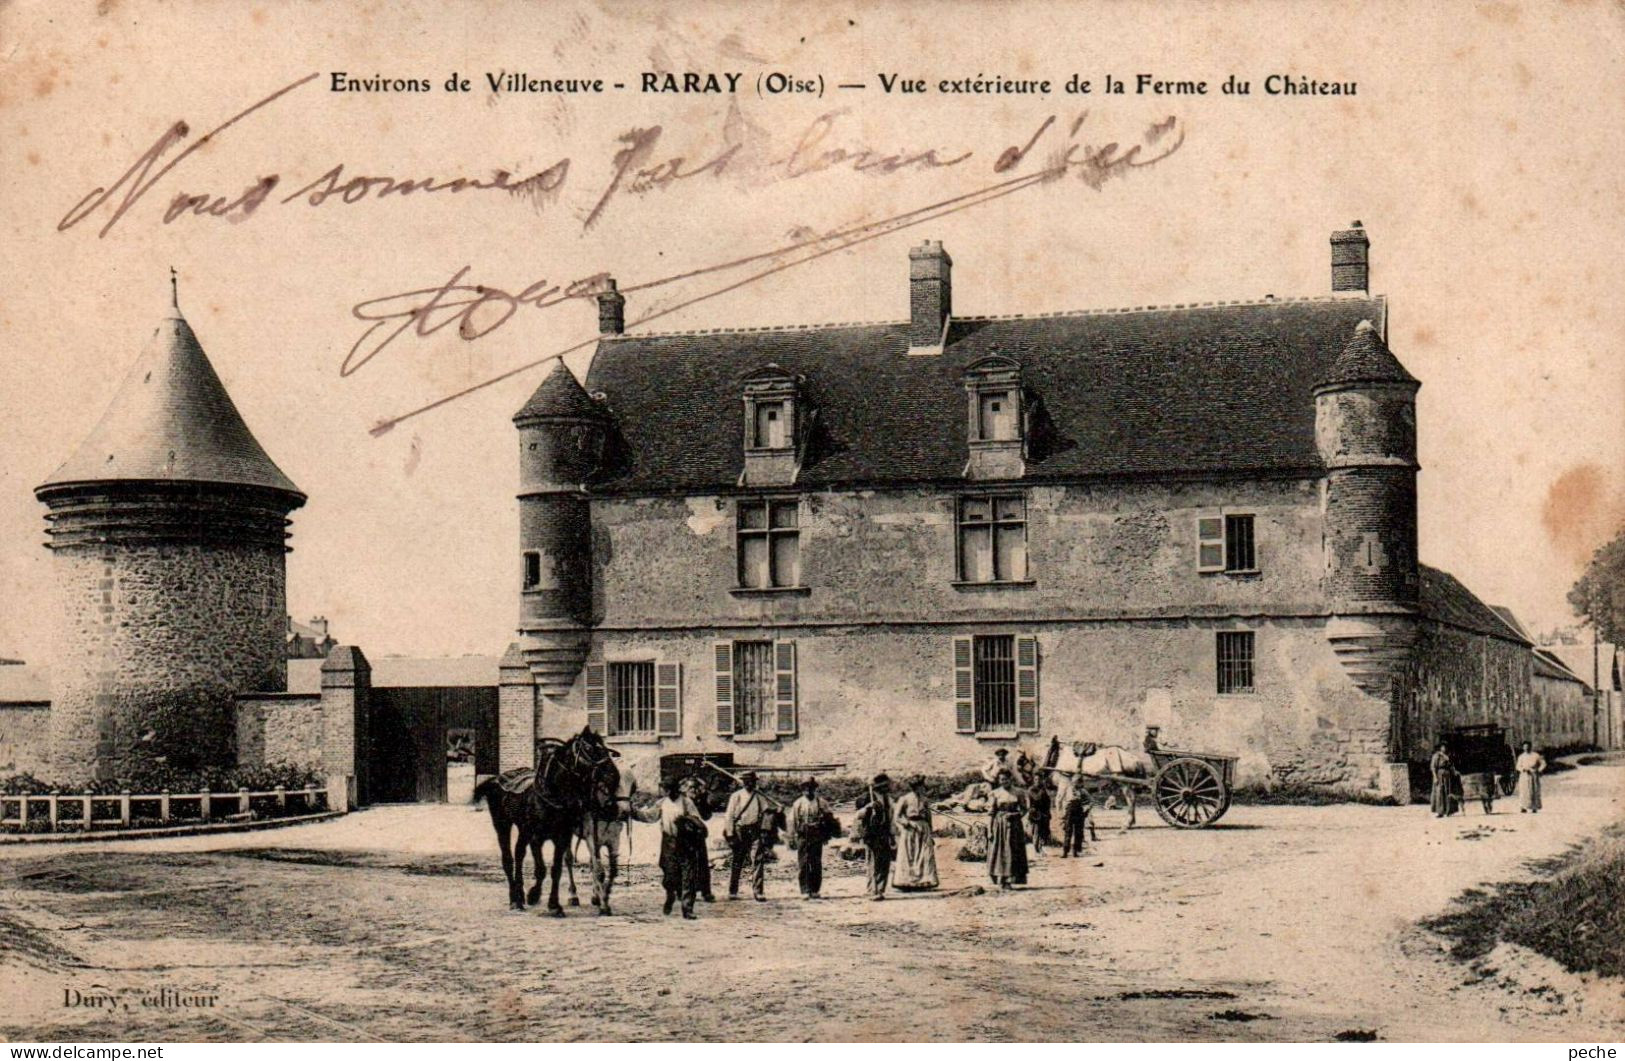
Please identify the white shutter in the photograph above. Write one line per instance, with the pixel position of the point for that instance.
(964, 687)
(725, 687)
(784, 686)
(1210, 543)
(668, 699)
(1027, 684)
(597, 716)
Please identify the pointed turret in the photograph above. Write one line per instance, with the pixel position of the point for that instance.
(562, 432)
(1366, 359)
(168, 529)
(172, 421)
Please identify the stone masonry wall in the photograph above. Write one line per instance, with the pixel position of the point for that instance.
(877, 698)
(153, 643)
(24, 738)
(280, 728)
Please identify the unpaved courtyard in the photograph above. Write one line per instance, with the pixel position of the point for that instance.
(1283, 923)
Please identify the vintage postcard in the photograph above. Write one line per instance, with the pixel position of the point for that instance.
(942, 521)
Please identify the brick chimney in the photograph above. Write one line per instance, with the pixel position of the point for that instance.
(611, 310)
(1351, 259)
(930, 293)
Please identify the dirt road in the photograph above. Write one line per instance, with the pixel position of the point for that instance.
(1283, 923)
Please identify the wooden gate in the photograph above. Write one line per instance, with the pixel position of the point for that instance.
(413, 732)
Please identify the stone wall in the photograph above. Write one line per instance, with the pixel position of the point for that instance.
(1126, 627)
(883, 698)
(1094, 552)
(155, 641)
(24, 738)
(280, 728)
(1463, 678)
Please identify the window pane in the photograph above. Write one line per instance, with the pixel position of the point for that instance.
(995, 683)
(1238, 541)
(1211, 555)
(631, 697)
(753, 686)
(770, 425)
(1011, 560)
(786, 560)
(785, 513)
(752, 514)
(997, 417)
(974, 510)
(1009, 508)
(753, 572)
(976, 554)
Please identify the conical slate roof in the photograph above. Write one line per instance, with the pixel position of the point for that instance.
(560, 395)
(1367, 359)
(172, 420)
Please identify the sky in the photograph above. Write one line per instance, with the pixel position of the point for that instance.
(1482, 151)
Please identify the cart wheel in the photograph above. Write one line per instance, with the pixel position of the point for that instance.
(1190, 794)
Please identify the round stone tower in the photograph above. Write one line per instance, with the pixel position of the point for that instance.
(1365, 429)
(168, 531)
(561, 440)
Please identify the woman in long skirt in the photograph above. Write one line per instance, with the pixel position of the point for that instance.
(916, 868)
(1444, 782)
(1530, 765)
(1006, 840)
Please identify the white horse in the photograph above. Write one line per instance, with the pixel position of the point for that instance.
(1095, 767)
(602, 832)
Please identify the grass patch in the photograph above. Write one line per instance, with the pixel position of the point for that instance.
(1573, 913)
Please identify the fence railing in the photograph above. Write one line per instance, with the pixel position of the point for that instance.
(158, 806)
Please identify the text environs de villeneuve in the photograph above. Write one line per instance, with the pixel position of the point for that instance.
(730, 82)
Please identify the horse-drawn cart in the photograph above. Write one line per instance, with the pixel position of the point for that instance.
(1191, 790)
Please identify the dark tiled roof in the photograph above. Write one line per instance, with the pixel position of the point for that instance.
(172, 420)
(1367, 359)
(560, 395)
(1548, 665)
(1511, 620)
(1196, 390)
(391, 672)
(1446, 600)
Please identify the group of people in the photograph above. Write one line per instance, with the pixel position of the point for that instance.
(897, 833)
(1447, 794)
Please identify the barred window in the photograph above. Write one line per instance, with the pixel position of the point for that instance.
(769, 544)
(632, 697)
(992, 533)
(995, 682)
(1235, 661)
(1238, 544)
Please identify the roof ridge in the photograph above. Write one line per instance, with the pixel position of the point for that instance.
(1269, 300)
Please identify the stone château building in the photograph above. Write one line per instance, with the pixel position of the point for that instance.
(896, 544)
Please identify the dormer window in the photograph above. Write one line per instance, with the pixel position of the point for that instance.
(775, 426)
(996, 430)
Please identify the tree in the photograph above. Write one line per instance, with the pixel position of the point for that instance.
(1599, 595)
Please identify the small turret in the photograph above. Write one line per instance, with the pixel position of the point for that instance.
(562, 432)
(1365, 430)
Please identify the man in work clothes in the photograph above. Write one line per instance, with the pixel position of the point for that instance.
(875, 825)
(809, 827)
(694, 789)
(742, 828)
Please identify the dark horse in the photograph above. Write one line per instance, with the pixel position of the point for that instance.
(572, 780)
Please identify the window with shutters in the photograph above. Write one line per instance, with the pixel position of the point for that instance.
(1226, 544)
(1235, 661)
(756, 689)
(992, 538)
(996, 684)
(636, 700)
(769, 543)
